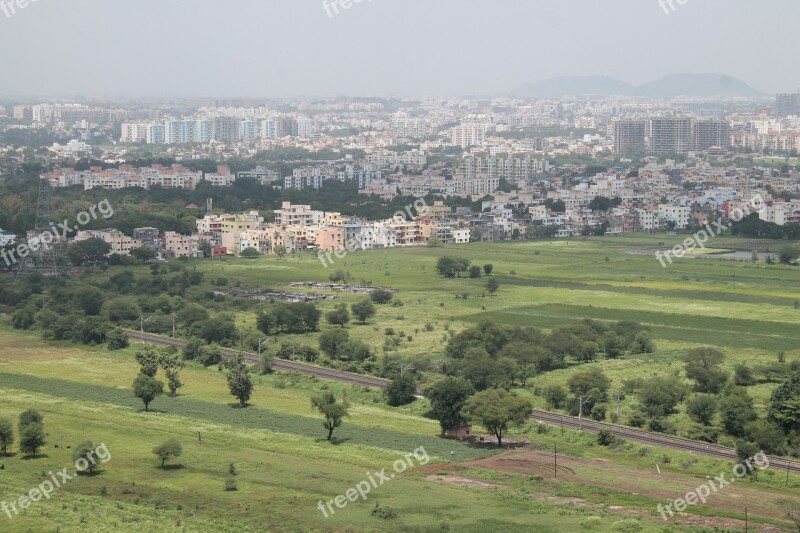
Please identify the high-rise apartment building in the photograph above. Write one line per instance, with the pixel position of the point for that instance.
(787, 104)
(669, 135)
(629, 135)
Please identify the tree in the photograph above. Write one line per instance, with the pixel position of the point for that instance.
(474, 272)
(736, 411)
(582, 383)
(788, 254)
(381, 296)
(6, 435)
(172, 365)
(147, 389)
(116, 338)
(31, 438)
(702, 366)
(784, 405)
(601, 203)
(280, 251)
(29, 417)
(88, 251)
(121, 310)
(643, 343)
(191, 313)
(447, 397)
(555, 396)
(239, 382)
(743, 376)
(148, 358)
(659, 396)
(767, 436)
(487, 269)
(363, 310)
(144, 255)
(249, 253)
(612, 345)
(340, 316)
(701, 408)
(495, 409)
(401, 390)
(745, 452)
(492, 285)
(86, 450)
(332, 411)
(168, 450)
(332, 342)
(450, 267)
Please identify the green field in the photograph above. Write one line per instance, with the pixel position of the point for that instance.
(285, 466)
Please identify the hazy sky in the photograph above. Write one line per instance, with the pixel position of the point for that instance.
(279, 48)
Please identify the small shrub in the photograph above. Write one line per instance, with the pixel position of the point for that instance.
(606, 438)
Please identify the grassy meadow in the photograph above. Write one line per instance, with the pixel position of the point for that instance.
(284, 465)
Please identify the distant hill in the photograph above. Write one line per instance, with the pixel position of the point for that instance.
(670, 86)
(703, 85)
(574, 85)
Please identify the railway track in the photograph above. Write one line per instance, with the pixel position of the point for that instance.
(280, 364)
(658, 439)
(570, 422)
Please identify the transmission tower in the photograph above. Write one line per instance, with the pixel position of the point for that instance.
(49, 259)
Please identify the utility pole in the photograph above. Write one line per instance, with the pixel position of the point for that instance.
(173, 326)
(745, 520)
(409, 366)
(555, 460)
(787, 472)
(261, 343)
(619, 395)
(141, 326)
(580, 411)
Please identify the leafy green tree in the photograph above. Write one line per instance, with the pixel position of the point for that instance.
(745, 452)
(401, 390)
(280, 251)
(170, 449)
(612, 345)
(220, 329)
(121, 310)
(191, 313)
(381, 297)
(743, 376)
(788, 254)
(172, 365)
(249, 253)
(144, 255)
(784, 405)
(88, 251)
(583, 382)
(333, 341)
(481, 370)
(31, 439)
(555, 396)
(702, 365)
(495, 409)
(147, 389)
(450, 267)
(332, 411)
(116, 338)
(447, 397)
(28, 417)
(474, 272)
(488, 268)
(6, 435)
(767, 436)
(660, 395)
(149, 359)
(340, 316)
(643, 343)
(492, 285)
(86, 450)
(363, 310)
(239, 382)
(736, 411)
(701, 408)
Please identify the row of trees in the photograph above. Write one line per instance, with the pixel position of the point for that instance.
(491, 355)
(31, 433)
